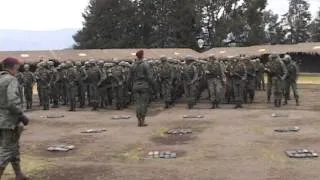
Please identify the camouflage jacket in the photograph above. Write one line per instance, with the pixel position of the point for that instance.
(141, 77)
(10, 102)
(28, 78)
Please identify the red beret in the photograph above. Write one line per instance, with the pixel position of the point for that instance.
(11, 61)
(139, 54)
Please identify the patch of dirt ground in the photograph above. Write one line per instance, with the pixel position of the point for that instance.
(226, 144)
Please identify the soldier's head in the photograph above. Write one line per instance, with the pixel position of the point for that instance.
(92, 62)
(12, 65)
(212, 58)
(273, 57)
(189, 59)
(87, 64)
(163, 59)
(50, 64)
(123, 63)
(26, 67)
(78, 64)
(140, 55)
(69, 64)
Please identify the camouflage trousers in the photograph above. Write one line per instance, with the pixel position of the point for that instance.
(191, 92)
(215, 89)
(118, 96)
(277, 87)
(82, 94)
(142, 98)
(72, 94)
(229, 93)
(28, 95)
(94, 94)
(166, 90)
(55, 93)
(260, 84)
(289, 83)
(249, 90)
(238, 87)
(9, 146)
(45, 96)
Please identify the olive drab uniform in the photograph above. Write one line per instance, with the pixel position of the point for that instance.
(250, 82)
(260, 83)
(28, 82)
(44, 84)
(82, 76)
(101, 86)
(229, 85)
(118, 85)
(10, 128)
(239, 77)
(64, 85)
(72, 85)
(291, 81)
(166, 79)
(191, 84)
(142, 84)
(278, 72)
(93, 79)
(216, 79)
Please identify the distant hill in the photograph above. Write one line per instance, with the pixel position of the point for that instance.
(21, 40)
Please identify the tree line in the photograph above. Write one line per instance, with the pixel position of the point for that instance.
(181, 23)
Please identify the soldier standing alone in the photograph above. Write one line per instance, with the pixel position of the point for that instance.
(142, 83)
(11, 116)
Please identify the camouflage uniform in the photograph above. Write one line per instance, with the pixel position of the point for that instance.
(108, 84)
(278, 73)
(72, 85)
(260, 84)
(101, 88)
(118, 85)
(55, 86)
(229, 84)
(216, 79)
(142, 84)
(291, 80)
(10, 128)
(19, 76)
(166, 77)
(250, 82)
(82, 76)
(191, 81)
(239, 76)
(44, 84)
(93, 79)
(28, 82)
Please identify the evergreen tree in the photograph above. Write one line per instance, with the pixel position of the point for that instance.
(298, 19)
(315, 28)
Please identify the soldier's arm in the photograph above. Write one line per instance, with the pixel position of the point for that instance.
(103, 76)
(285, 71)
(84, 73)
(14, 101)
(222, 74)
(244, 77)
(196, 76)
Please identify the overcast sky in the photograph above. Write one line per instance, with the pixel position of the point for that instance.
(59, 14)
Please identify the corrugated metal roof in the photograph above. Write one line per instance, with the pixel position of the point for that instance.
(109, 54)
(103, 54)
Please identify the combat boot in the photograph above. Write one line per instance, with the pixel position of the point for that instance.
(143, 124)
(297, 102)
(139, 122)
(275, 103)
(213, 105)
(269, 100)
(217, 105)
(279, 103)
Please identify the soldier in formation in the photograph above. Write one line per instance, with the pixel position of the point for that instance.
(119, 83)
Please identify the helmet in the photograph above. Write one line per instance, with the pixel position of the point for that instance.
(189, 58)
(287, 57)
(122, 63)
(163, 58)
(212, 57)
(78, 63)
(26, 66)
(50, 63)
